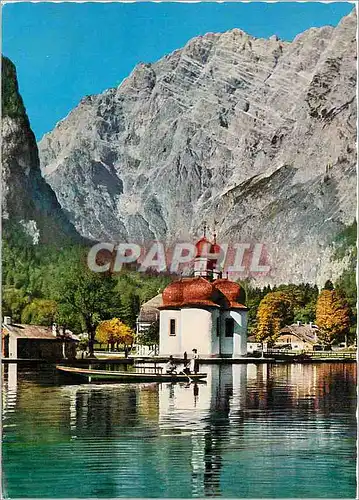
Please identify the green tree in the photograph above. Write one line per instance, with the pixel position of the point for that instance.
(13, 302)
(135, 288)
(300, 295)
(150, 336)
(86, 295)
(305, 314)
(12, 104)
(303, 298)
(328, 285)
(39, 312)
(253, 300)
(346, 242)
(253, 297)
(130, 307)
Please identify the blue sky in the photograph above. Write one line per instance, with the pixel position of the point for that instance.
(64, 51)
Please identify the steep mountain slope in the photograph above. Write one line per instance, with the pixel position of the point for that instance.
(27, 200)
(254, 136)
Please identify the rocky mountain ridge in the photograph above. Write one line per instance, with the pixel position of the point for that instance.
(28, 202)
(257, 137)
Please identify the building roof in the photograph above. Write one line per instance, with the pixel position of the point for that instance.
(37, 332)
(198, 291)
(231, 291)
(307, 333)
(149, 311)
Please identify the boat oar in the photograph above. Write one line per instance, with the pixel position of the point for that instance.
(189, 378)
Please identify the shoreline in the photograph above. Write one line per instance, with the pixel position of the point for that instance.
(202, 361)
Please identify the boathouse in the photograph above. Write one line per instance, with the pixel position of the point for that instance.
(21, 341)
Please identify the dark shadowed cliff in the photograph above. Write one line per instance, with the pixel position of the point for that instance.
(27, 200)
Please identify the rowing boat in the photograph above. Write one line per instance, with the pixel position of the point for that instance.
(131, 376)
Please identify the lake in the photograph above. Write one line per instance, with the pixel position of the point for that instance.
(251, 431)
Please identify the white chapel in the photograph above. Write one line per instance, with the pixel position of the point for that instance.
(203, 312)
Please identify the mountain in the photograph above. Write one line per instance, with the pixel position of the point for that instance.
(28, 202)
(257, 137)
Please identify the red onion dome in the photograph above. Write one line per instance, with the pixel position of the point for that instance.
(198, 291)
(203, 247)
(173, 294)
(215, 248)
(230, 290)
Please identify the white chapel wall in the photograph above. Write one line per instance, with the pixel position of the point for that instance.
(196, 330)
(170, 344)
(240, 332)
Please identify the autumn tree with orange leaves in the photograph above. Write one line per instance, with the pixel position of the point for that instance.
(274, 312)
(113, 331)
(332, 317)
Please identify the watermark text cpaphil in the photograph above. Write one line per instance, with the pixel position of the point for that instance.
(243, 258)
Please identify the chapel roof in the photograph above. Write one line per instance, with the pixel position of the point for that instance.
(198, 291)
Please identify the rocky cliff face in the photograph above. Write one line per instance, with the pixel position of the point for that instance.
(27, 200)
(257, 137)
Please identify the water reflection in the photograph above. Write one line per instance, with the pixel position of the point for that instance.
(202, 413)
(295, 423)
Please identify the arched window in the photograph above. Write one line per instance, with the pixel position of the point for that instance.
(172, 327)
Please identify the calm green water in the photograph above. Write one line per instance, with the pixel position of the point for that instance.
(250, 431)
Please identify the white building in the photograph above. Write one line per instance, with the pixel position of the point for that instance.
(253, 345)
(203, 312)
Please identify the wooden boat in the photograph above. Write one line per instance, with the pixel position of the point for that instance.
(130, 376)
